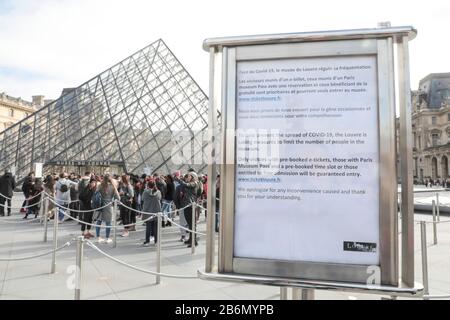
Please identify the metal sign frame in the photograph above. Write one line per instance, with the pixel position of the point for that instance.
(225, 53)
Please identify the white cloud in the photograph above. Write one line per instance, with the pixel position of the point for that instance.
(70, 41)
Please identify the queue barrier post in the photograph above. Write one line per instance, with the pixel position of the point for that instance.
(434, 223)
(45, 218)
(79, 266)
(115, 224)
(193, 224)
(283, 293)
(41, 208)
(437, 208)
(308, 294)
(158, 239)
(423, 238)
(296, 294)
(55, 239)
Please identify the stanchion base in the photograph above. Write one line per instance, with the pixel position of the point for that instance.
(415, 292)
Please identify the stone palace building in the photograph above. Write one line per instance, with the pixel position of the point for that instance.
(13, 110)
(431, 128)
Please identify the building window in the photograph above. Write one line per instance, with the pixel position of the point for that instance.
(448, 117)
(433, 120)
(419, 138)
(11, 112)
(414, 140)
(435, 139)
(445, 94)
(416, 167)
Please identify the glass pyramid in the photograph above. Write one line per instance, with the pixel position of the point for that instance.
(129, 114)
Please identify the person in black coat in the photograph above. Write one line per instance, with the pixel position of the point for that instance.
(168, 200)
(27, 188)
(7, 185)
(85, 197)
(35, 199)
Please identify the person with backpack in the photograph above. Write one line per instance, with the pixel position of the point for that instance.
(86, 189)
(104, 196)
(63, 195)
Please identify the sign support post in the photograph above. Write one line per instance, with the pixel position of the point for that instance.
(406, 162)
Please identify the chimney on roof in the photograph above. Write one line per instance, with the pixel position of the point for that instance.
(38, 101)
(384, 24)
(66, 91)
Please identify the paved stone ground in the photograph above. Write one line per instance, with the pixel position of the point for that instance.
(105, 279)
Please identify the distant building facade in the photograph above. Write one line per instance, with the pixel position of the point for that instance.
(13, 110)
(431, 128)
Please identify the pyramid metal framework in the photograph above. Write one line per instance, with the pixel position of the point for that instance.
(128, 114)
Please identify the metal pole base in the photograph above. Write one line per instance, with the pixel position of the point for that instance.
(79, 264)
(158, 248)
(283, 293)
(308, 294)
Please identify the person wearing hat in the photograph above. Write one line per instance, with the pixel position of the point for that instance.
(7, 185)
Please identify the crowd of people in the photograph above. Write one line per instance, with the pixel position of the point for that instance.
(429, 183)
(90, 199)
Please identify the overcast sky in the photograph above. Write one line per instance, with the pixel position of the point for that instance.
(46, 45)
